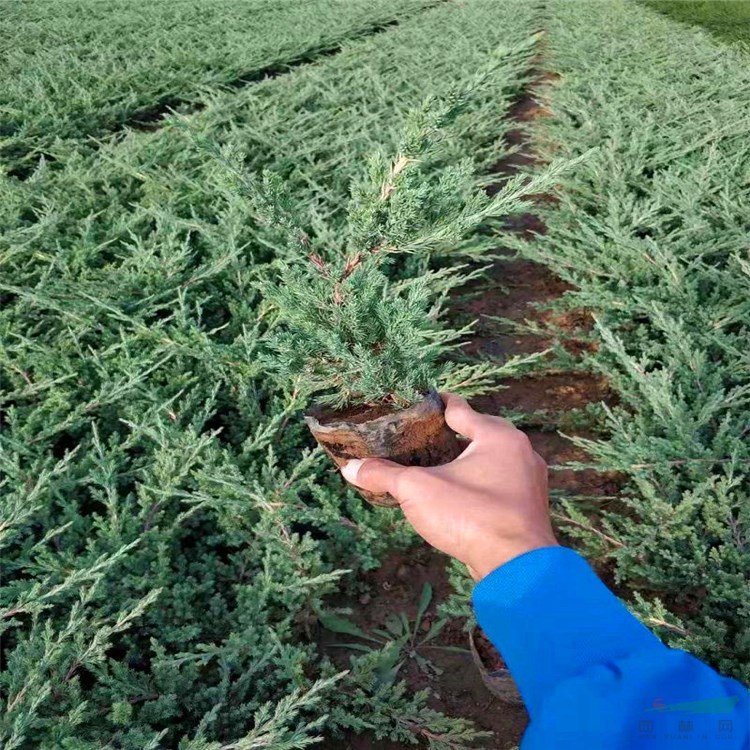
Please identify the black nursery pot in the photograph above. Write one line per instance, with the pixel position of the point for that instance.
(417, 436)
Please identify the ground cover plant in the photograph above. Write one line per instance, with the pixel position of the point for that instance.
(343, 331)
(286, 125)
(170, 541)
(652, 231)
(88, 68)
(168, 536)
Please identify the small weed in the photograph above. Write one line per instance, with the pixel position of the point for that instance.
(399, 640)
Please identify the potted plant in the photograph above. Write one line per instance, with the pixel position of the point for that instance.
(359, 328)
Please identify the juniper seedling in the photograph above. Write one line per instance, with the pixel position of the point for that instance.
(343, 330)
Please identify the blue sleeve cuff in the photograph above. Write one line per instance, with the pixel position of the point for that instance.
(551, 618)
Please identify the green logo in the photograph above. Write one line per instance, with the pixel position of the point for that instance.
(710, 706)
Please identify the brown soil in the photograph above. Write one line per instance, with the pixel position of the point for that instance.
(417, 436)
(355, 414)
(555, 392)
(520, 286)
(489, 655)
(517, 292)
(458, 690)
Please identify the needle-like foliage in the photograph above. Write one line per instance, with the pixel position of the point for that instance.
(343, 330)
(73, 75)
(651, 231)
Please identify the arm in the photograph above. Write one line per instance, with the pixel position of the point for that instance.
(591, 675)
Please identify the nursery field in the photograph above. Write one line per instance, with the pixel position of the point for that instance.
(91, 68)
(182, 568)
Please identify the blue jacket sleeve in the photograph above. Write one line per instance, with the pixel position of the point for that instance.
(591, 675)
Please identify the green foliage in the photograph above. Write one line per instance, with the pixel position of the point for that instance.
(651, 229)
(80, 69)
(278, 726)
(399, 640)
(399, 716)
(729, 19)
(458, 604)
(349, 338)
(284, 124)
(347, 334)
(168, 534)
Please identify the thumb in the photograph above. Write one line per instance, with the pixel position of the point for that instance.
(373, 474)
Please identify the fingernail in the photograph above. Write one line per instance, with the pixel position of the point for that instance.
(350, 470)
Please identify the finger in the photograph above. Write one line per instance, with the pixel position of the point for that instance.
(459, 416)
(542, 463)
(373, 474)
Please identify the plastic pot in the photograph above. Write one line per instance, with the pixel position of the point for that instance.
(497, 678)
(417, 436)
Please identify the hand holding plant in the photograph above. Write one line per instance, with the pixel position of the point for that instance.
(485, 507)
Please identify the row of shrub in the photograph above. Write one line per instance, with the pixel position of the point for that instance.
(81, 69)
(651, 229)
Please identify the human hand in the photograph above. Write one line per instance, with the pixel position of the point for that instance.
(487, 506)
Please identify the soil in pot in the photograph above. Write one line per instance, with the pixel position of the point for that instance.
(417, 436)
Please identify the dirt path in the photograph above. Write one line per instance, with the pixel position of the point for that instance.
(514, 289)
(521, 286)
